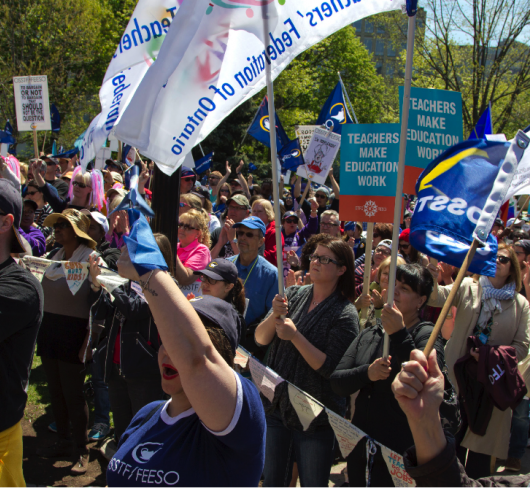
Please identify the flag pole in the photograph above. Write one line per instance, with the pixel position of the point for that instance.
(367, 268)
(347, 97)
(274, 157)
(401, 171)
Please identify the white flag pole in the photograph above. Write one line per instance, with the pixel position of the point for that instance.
(347, 98)
(401, 170)
(274, 157)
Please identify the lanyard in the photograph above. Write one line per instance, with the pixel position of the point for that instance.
(255, 261)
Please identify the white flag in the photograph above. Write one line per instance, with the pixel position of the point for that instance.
(521, 181)
(214, 58)
(346, 433)
(137, 50)
(396, 468)
(305, 406)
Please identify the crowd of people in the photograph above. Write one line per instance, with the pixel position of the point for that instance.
(159, 349)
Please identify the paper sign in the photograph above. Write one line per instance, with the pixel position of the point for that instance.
(369, 160)
(320, 155)
(37, 266)
(75, 274)
(347, 434)
(304, 134)
(194, 288)
(435, 124)
(31, 102)
(396, 467)
(111, 280)
(305, 406)
(264, 378)
(241, 358)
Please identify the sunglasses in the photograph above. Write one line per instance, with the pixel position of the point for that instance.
(323, 259)
(32, 192)
(233, 207)
(186, 227)
(209, 280)
(291, 221)
(503, 259)
(61, 225)
(319, 195)
(226, 190)
(241, 233)
(188, 179)
(404, 246)
(80, 185)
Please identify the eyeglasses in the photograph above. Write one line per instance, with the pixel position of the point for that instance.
(80, 185)
(207, 279)
(404, 246)
(241, 233)
(291, 221)
(235, 207)
(188, 179)
(383, 250)
(32, 192)
(323, 259)
(503, 259)
(319, 195)
(61, 225)
(328, 224)
(186, 227)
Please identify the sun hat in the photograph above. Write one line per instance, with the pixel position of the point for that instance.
(79, 222)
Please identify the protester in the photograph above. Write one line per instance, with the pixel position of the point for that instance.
(491, 308)
(382, 251)
(199, 202)
(99, 228)
(213, 180)
(322, 196)
(51, 176)
(63, 337)
(522, 251)
(305, 348)
(221, 200)
(330, 223)
(43, 208)
(363, 369)
(211, 432)
(353, 236)
(263, 210)
(410, 254)
(115, 166)
(29, 230)
(21, 308)
(204, 195)
(118, 224)
(407, 217)
(292, 235)
(498, 227)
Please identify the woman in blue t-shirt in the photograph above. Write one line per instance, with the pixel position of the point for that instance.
(212, 430)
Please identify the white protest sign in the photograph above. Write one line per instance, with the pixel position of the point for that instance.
(305, 406)
(304, 134)
(320, 155)
(31, 102)
(241, 358)
(264, 378)
(103, 154)
(194, 288)
(396, 467)
(37, 266)
(75, 274)
(347, 434)
(3, 149)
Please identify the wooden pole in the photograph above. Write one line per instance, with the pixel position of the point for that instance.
(44, 142)
(449, 302)
(367, 268)
(120, 150)
(35, 142)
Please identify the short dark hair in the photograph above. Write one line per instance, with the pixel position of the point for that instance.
(219, 340)
(384, 231)
(417, 277)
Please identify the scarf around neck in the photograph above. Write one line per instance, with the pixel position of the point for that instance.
(80, 255)
(491, 297)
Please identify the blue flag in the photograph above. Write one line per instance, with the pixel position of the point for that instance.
(204, 164)
(56, 118)
(6, 135)
(484, 125)
(68, 154)
(291, 155)
(134, 200)
(252, 167)
(260, 128)
(334, 111)
(453, 192)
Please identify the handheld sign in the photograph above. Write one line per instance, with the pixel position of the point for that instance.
(320, 155)
(31, 103)
(435, 124)
(368, 172)
(304, 133)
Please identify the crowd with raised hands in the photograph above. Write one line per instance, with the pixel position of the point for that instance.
(155, 329)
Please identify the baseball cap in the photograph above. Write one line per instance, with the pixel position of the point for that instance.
(50, 159)
(32, 203)
(350, 225)
(117, 177)
(404, 236)
(288, 214)
(11, 203)
(386, 243)
(240, 200)
(252, 223)
(109, 162)
(99, 218)
(187, 172)
(220, 269)
(324, 190)
(120, 191)
(499, 222)
(222, 314)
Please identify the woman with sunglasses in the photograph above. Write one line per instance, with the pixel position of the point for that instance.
(43, 208)
(305, 348)
(364, 370)
(193, 250)
(410, 254)
(199, 202)
(491, 309)
(223, 195)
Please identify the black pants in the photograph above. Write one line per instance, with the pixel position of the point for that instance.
(65, 382)
(357, 467)
(127, 396)
(477, 465)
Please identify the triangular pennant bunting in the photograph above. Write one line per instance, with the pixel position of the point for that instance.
(110, 280)
(241, 358)
(264, 378)
(396, 467)
(37, 266)
(75, 274)
(306, 407)
(347, 434)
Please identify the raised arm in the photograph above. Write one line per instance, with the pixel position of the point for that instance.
(298, 187)
(334, 185)
(241, 179)
(224, 179)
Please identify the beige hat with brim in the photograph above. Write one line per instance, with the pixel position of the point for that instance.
(118, 191)
(80, 223)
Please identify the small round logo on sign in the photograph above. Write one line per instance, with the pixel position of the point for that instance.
(370, 208)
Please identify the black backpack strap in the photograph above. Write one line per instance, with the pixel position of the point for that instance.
(155, 409)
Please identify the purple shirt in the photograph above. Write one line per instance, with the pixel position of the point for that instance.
(35, 239)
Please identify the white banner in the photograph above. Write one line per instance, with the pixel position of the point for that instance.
(213, 59)
(305, 406)
(320, 155)
(37, 266)
(396, 468)
(346, 433)
(31, 102)
(264, 378)
(137, 50)
(110, 280)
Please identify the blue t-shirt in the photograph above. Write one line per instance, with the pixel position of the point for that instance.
(260, 287)
(181, 451)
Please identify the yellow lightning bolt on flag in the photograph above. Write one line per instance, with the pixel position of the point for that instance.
(448, 164)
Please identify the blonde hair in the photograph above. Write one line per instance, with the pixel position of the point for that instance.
(267, 206)
(386, 264)
(195, 203)
(201, 222)
(23, 173)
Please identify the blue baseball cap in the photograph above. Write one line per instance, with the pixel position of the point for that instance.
(252, 223)
(350, 225)
(186, 172)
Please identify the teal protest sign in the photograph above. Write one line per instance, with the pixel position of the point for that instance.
(435, 124)
(368, 171)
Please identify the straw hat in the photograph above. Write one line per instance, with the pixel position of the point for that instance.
(80, 223)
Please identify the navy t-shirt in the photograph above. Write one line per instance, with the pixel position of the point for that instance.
(181, 451)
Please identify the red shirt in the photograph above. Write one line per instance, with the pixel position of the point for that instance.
(270, 244)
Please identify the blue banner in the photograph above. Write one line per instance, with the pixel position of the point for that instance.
(291, 155)
(484, 125)
(334, 111)
(56, 118)
(260, 128)
(452, 192)
(204, 164)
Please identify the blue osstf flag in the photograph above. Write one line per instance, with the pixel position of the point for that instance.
(6, 136)
(260, 128)
(291, 155)
(484, 125)
(56, 118)
(459, 195)
(334, 112)
(204, 164)
(252, 167)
